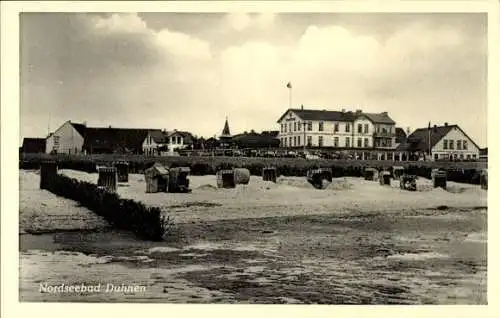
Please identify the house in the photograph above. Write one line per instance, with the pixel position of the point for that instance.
(336, 129)
(256, 140)
(448, 142)
(114, 140)
(483, 154)
(66, 139)
(162, 142)
(33, 145)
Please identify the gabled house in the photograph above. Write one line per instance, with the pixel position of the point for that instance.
(33, 145)
(448, 142)
(66, 139)
(336, 129)
(114, 140)
(162, 142)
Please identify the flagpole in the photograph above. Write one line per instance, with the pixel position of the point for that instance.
(290, 96)
(429, 140)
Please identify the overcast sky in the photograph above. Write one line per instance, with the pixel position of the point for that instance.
(189, 71)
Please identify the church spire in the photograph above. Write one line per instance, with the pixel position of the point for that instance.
(225, 131)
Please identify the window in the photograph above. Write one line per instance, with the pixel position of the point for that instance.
(284, 142)
(284, 127)
(309, 126)
(359, 142)
(298, 140)
(347, 127)
(295, 141)
(360, 128)
(281, 129)
(450, 144)
(445, 144)
(461, 156)
(389, 143)
(320, 126)
(366, 142)
(289, 141)
(366, 128)
(294, 126)
(320, 141)
(473, 156)
(436, 156)
(336, 127)
(464, 144)
(347, 142)
(459, 145)
(290, 127)
(56, 140)
(335, 141)
(309, 141)
(298, 125)
(468, 156)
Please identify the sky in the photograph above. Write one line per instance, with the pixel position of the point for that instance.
(188, 71)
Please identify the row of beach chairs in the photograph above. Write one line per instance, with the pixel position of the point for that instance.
(175, 179)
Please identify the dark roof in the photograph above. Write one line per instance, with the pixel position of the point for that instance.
(158, 136)
(80, 128)
(400, 135)
(33, 145)
(382, 118)
(254, 139)
(344, 116)
(327, 115)
(114, 139)
(419, 139)
(483, 151)
(225, 130)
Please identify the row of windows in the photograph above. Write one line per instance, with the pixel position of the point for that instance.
(362, 128)
(449, 144)
(296, 141)
(454, 156)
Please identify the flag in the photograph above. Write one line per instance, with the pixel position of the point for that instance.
(289, 85)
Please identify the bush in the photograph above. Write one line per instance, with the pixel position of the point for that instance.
(146, 222)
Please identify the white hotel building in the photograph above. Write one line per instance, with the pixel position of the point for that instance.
(336, 130)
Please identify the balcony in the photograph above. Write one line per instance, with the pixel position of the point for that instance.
(384, 134)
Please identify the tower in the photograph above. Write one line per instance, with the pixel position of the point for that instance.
(225, 137)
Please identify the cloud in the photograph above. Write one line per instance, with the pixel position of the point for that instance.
(116, 70)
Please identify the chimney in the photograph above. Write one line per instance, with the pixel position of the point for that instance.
(109, 126)
(85, 123)
(343, 110)
(358, 111)
(435, 128)
(302, 107)
(384, 113)
(446, 124)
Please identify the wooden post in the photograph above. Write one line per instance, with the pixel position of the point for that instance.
(48, 172)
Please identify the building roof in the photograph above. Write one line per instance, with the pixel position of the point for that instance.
(382, 118)
(115, 139)
(80, 128)
(400, 135)
(327, 115)
(33, 145)
(253, 139)
(225, 130)
(158, 136)
(419, 139)
(343, 116)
